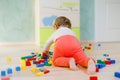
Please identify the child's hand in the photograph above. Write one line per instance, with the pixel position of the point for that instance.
(45, 53)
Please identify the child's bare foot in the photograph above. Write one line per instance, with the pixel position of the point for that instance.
(91, 67)
(72, 64)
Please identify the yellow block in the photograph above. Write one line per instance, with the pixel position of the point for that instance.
(34, 69)
(50, 62)
(23, 67)
(9, 59)
(39, 73)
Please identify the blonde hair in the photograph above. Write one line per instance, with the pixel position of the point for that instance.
(62, 21)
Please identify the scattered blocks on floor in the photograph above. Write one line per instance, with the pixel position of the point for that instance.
(35, 58)
(93, 78)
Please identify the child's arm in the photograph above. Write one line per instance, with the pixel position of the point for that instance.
(48, 44)
(47, 47)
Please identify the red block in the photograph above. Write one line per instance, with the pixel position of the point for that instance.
(93, 78)
(97, 69)
(5, 78)
(30, 59)
(28, 63)
(107, 62)
(46, 71)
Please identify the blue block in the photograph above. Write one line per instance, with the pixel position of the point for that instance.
(46, 62)
(99, 45)
(100, 66)
(39, 65)
(32, 53)
(9, 71)
(108, 58)
(3, 73)
(117, 74)
(51, 53)
(34, 61)
(18, 68)
(28, 57)
(112, 61)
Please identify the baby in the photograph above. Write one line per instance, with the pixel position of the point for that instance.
(67, 49)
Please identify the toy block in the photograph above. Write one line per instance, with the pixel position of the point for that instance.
(117, 74)
(5, 78)
(40, 65)
(30, 59)
(51, 53)
(46, 71)
(100, 66)
(23, 67)
(50, 62)
(23, 58)
(36, 52)
(9, 59)
(93, 78)
(3, 73)
(28, 63)
(99, 45)
(107, 62)
(108, 58)
(112, 61)
(34, 69)
(46, 62)
(90, 44)
(39, 73)
(106, 55)
(9, 71)
(97, 69)
(17, 68)
(23, 62)
(89, 48)
(34, 61)
(100, 61)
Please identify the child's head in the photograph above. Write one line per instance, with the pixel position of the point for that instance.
(62, 21)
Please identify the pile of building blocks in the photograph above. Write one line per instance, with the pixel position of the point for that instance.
(40, 60)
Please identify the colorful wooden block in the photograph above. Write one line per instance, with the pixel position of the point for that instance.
(93, 78)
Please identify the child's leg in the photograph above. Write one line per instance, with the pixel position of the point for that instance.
(72, 64)
(91, 67)
(61, 61)
(83, 60)
(65, 62)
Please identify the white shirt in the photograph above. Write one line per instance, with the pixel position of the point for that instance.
(58, 33)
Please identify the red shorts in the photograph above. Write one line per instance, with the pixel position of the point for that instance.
(67, 47)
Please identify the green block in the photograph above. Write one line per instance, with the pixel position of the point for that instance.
(48, 64)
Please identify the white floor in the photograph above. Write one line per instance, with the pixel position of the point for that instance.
(57, 73)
